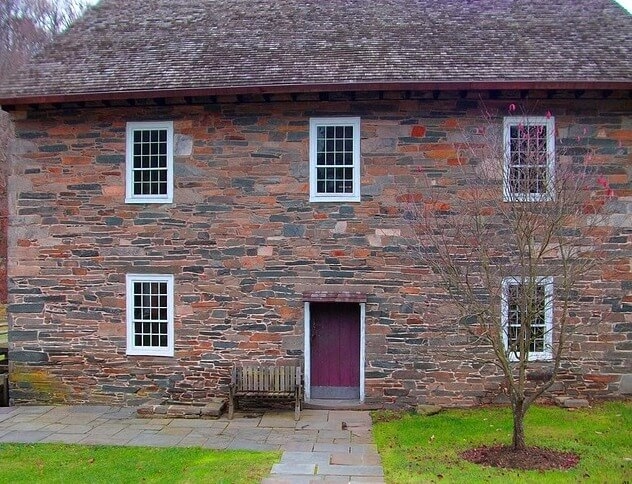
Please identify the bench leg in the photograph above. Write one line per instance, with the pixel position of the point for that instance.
(4, 390)
(231, 406)
(297, 406)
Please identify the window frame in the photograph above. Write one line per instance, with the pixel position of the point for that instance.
(132, 348)
(529, 121)
(314, 124)
(131, 128)
(547, 353)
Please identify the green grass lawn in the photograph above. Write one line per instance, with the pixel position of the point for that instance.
(60, 463)
(417, 449)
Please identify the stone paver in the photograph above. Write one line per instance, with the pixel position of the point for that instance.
(323, 446)
(294, 469)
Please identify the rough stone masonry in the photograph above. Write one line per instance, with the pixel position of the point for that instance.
(245, 244)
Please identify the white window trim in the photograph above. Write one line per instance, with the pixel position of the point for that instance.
(132, 349)
(314, 123)
(130, 197)
(547, 282)
(549, 122)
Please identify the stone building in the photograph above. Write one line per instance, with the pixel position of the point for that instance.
(195, 185)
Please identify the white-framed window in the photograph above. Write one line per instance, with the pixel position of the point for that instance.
(149, 300)
(529, 158)
(334, 159)
(149, 162)
(527, 317)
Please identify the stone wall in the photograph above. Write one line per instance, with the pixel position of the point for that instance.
(244, 244)
(6, 134)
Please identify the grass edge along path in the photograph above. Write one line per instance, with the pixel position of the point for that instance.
(418, 448)
(63, 463)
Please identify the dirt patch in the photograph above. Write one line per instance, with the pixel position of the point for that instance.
(532, 458)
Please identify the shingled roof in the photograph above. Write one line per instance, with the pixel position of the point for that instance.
(162, 48)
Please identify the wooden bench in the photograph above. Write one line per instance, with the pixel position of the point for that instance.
(266, 382)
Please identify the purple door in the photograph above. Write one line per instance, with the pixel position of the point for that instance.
(335, 350)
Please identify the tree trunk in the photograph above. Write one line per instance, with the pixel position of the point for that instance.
(519, 410)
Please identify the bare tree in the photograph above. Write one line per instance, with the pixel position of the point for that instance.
(27, 25)
(511, 238)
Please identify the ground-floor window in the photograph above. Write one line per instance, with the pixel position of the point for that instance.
(527, 316)
(149, 314)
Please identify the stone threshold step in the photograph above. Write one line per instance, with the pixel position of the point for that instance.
(212, 409)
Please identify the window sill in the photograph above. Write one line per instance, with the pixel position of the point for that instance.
(321, 199)
(149, 200)
(145, 352)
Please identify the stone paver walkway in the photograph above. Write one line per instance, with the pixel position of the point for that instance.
(323, 446)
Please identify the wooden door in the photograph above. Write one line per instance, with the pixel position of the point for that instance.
(335, 350)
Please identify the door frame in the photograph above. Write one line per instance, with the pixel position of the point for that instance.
(308, 351)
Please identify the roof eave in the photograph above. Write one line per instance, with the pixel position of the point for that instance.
(93, 96)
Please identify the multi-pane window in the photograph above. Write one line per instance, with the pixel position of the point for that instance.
(529, 151)
(527, 317)
(150, 315)
(334, 159)
(149, 162)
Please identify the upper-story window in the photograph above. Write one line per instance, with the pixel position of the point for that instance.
(334, 160)
(150, 314)
(527, 317)
(149, 162)
(529, 152)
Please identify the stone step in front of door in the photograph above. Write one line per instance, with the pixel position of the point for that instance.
(212, 409)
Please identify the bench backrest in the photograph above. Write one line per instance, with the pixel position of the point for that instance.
(272, 380)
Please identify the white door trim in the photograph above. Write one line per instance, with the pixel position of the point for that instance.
(308, 354)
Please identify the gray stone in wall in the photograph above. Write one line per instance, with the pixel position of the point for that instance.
(85, 252)
(293, 343)
(110, 159)
(293, 230)
(224, 345)
(57, 148)
(625, 387)
(267, 152)
(28, 357)
(297, 136)
(25, 308)
(85, 187)
(21, 146)
(620, 206)
(183, 145)
(118, 389)
(213, 208)
(36, 196)
(16, 336)
(113, 221)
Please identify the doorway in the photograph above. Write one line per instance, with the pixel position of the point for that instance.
(334, 351)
